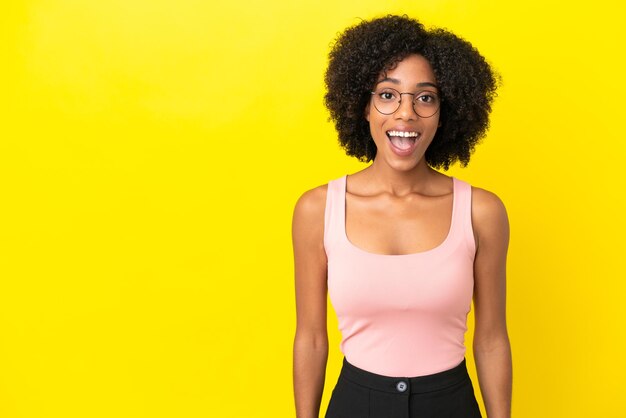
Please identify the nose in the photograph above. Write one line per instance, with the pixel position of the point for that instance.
(405, 110)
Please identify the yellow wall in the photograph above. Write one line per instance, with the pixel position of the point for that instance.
(151, 155)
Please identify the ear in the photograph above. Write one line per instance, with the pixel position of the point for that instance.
(367, 112)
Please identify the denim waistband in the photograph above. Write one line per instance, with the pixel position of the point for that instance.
(405, 385)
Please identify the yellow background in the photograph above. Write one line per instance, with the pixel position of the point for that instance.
(151, 155)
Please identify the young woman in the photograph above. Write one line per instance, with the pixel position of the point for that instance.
(401, 248)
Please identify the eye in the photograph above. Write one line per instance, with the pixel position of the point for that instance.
(427, 97)
(387, 95)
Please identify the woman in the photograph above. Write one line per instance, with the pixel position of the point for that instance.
(401, 248)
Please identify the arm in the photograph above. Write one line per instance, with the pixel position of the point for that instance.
(492, 349)
(310, 348)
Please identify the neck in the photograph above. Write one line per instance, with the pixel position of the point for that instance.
(384, 178)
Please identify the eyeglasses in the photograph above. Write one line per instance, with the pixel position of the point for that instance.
(387, 101)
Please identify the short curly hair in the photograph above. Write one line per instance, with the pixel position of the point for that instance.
(467, 85)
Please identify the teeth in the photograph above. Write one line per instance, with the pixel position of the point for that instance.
(403, 134)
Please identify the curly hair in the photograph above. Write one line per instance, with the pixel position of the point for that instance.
(467, 85)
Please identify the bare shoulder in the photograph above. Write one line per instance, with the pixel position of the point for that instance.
(310, 260)
(489, 216)
(311, 204)
(486, 203)
(308, 220)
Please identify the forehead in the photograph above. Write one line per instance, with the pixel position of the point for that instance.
(413, 69)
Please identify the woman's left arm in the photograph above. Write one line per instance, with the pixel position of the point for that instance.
(492, 349)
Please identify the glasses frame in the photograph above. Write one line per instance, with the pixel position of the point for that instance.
(412, 102)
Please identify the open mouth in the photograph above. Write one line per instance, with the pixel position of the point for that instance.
(404, 142)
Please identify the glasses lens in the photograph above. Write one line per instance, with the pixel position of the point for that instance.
(426, 103)
(387, 101)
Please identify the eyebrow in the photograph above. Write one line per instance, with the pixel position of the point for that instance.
(396, 81)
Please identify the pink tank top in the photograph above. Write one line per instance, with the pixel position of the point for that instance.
(401, 315)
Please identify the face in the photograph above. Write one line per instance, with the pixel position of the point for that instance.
(403, 136)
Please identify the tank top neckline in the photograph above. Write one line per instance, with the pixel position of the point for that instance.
(442, 246)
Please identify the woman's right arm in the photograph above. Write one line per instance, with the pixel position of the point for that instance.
(310, 347)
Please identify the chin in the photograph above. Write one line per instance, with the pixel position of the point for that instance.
(405, 166)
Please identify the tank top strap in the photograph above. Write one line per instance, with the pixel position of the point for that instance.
(333, 215)
(463, 215)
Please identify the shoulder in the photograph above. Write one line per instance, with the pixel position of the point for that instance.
(309, 210)
(486, 203)
(489, 216)
(312, 202)
(308, 222)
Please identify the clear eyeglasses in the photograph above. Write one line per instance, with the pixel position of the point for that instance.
(387, 100)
